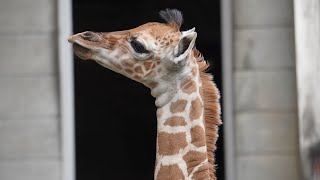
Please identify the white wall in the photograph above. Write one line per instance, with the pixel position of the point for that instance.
(265, 90)
(307, 25)
(29, 117)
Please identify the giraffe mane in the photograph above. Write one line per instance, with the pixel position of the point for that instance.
(173, 17)
(212, 109)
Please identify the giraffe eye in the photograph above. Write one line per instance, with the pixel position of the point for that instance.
(138, 47)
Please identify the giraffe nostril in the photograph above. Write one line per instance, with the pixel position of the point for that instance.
(90, 36)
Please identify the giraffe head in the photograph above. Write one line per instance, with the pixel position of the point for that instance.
(146, 54)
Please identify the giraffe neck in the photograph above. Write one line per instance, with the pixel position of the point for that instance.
(181, 139)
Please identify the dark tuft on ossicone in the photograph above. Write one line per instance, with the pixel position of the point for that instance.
(172, 17)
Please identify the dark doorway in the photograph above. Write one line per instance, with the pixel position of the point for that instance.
(115, 116)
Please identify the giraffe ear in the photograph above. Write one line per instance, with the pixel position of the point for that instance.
(188, 31)
(185, 45)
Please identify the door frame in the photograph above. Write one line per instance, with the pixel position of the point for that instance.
(227, 84)
(66, 87)
(66, 82)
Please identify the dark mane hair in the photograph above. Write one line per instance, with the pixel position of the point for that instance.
(212, 110)
(172, 16)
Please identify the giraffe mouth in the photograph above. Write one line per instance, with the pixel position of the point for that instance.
(81, 51)
(80, 47)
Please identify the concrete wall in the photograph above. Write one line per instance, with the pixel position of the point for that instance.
(265, 91)
(29, 118)
(266, 125)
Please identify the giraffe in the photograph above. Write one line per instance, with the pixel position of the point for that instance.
(164, 59)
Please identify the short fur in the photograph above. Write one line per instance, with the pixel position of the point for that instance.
(173, 17)
(212, 110)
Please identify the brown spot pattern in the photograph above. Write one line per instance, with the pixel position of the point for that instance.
(175, 121)
(150, 74)
(159, 113)
(170, 172)
(147, 65)
(153, 84)
(198, 137)
(195, 109)
(171, 143)
(202, 172)
(138, 70)
(127, 63)
(129, 71)
(111, 43)
(178, 106)
(116, 65)
(123, 51)
(189, 86)
(137, 77)
(193, 159)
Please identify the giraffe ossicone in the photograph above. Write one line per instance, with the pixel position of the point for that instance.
(164, 59)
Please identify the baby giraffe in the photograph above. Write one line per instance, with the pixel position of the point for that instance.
(165, 60)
